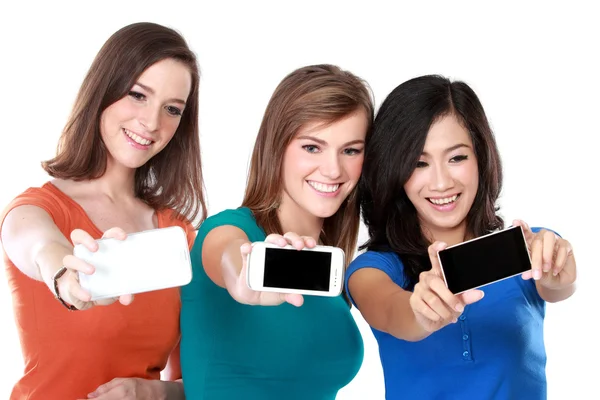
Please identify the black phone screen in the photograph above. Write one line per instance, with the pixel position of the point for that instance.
(293, 269)
(485, 260)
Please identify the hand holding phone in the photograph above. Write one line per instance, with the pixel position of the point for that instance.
(243, 293)
(485, 260)
(433, 304)
(69, 286)
(144, 261)
(552, 259)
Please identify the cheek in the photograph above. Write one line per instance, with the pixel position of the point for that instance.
(414, 184)
(353, 167)
(170, 125)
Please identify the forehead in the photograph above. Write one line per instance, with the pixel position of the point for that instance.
(168, 78)
(351, 127)
(445, 132)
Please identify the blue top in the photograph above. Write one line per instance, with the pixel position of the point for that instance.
(495, 351)
(235, 351)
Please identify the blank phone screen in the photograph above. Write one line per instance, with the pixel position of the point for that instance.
(293, 269)
(485, 260)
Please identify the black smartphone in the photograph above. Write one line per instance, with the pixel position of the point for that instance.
(484, 260)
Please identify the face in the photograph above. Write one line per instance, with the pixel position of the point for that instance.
(141, 124)
(322, 165)
(443, 186)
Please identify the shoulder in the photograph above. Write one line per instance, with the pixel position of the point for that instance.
(241, 218)
(388, 262)
(46, 197)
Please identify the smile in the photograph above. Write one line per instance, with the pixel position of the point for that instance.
(136, 138)
(443, 201)
(323, 187)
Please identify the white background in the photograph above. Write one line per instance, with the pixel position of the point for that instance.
(533, 65)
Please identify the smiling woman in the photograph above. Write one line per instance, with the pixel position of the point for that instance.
(129, 157)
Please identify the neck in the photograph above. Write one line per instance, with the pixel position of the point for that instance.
(450, 236)
(117, 182)
(294, 218)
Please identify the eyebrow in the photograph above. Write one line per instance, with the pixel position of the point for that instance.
(324, 143)
(450, 149)
(151, 91)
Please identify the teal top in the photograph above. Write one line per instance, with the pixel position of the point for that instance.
(236, 351)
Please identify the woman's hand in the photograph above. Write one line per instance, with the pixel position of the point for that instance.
(552, 261)
(135, 389)
(432, 302)
(244, 294)
(69, 287)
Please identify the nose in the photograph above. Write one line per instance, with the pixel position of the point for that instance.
(331, 167)
(150, 118)
(441, 178)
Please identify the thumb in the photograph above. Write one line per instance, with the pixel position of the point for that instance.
(106, 387)
(471, 296)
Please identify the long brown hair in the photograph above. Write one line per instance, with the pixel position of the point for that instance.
(317, 93)
(172, 178)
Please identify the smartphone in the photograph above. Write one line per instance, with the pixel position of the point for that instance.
(485, 260)
(145, 261)
(318, 271)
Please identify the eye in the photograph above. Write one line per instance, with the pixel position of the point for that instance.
(311, 148)
(174, 111)
(421, 164)
(457, 159)
(137, 95)
(352, 152)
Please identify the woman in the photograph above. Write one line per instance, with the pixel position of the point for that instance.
(431, 179)
(306, 163)
(131, 137)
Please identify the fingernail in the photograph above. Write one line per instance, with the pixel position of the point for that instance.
(546, 267)
(459, 308)
(537, 274)
(554, 273)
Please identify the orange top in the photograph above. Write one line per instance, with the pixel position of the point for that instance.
(68, 354)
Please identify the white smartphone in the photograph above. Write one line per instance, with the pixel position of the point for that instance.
(485, 260)
(318, 271)
(145, 261)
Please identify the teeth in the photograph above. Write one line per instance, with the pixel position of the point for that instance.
(447, 200)
(136, 138)
(321, 187)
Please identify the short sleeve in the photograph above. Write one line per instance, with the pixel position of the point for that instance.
(387, 262)
(38, 197)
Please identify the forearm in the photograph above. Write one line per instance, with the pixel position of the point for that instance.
(231, 265)
(48, 259)
(400, 318)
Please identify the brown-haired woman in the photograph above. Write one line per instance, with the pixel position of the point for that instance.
(129, 156)
(306, 162)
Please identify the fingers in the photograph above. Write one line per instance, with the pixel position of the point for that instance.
(537, 246)
(102, 389)
(453, 302)
(471, 296)
(293, 239)
(300, 242)
(277, 239)
(526, 229)
(433, 256)
(115, 233)
(79, 236)
(563, 252)
(126, 299)
(77, 264)
(294, 299)
(548, 249)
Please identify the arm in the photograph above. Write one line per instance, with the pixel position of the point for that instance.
(553, 265)
(385, 305)
(34, 243)
(224, 257)
(405, 315)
